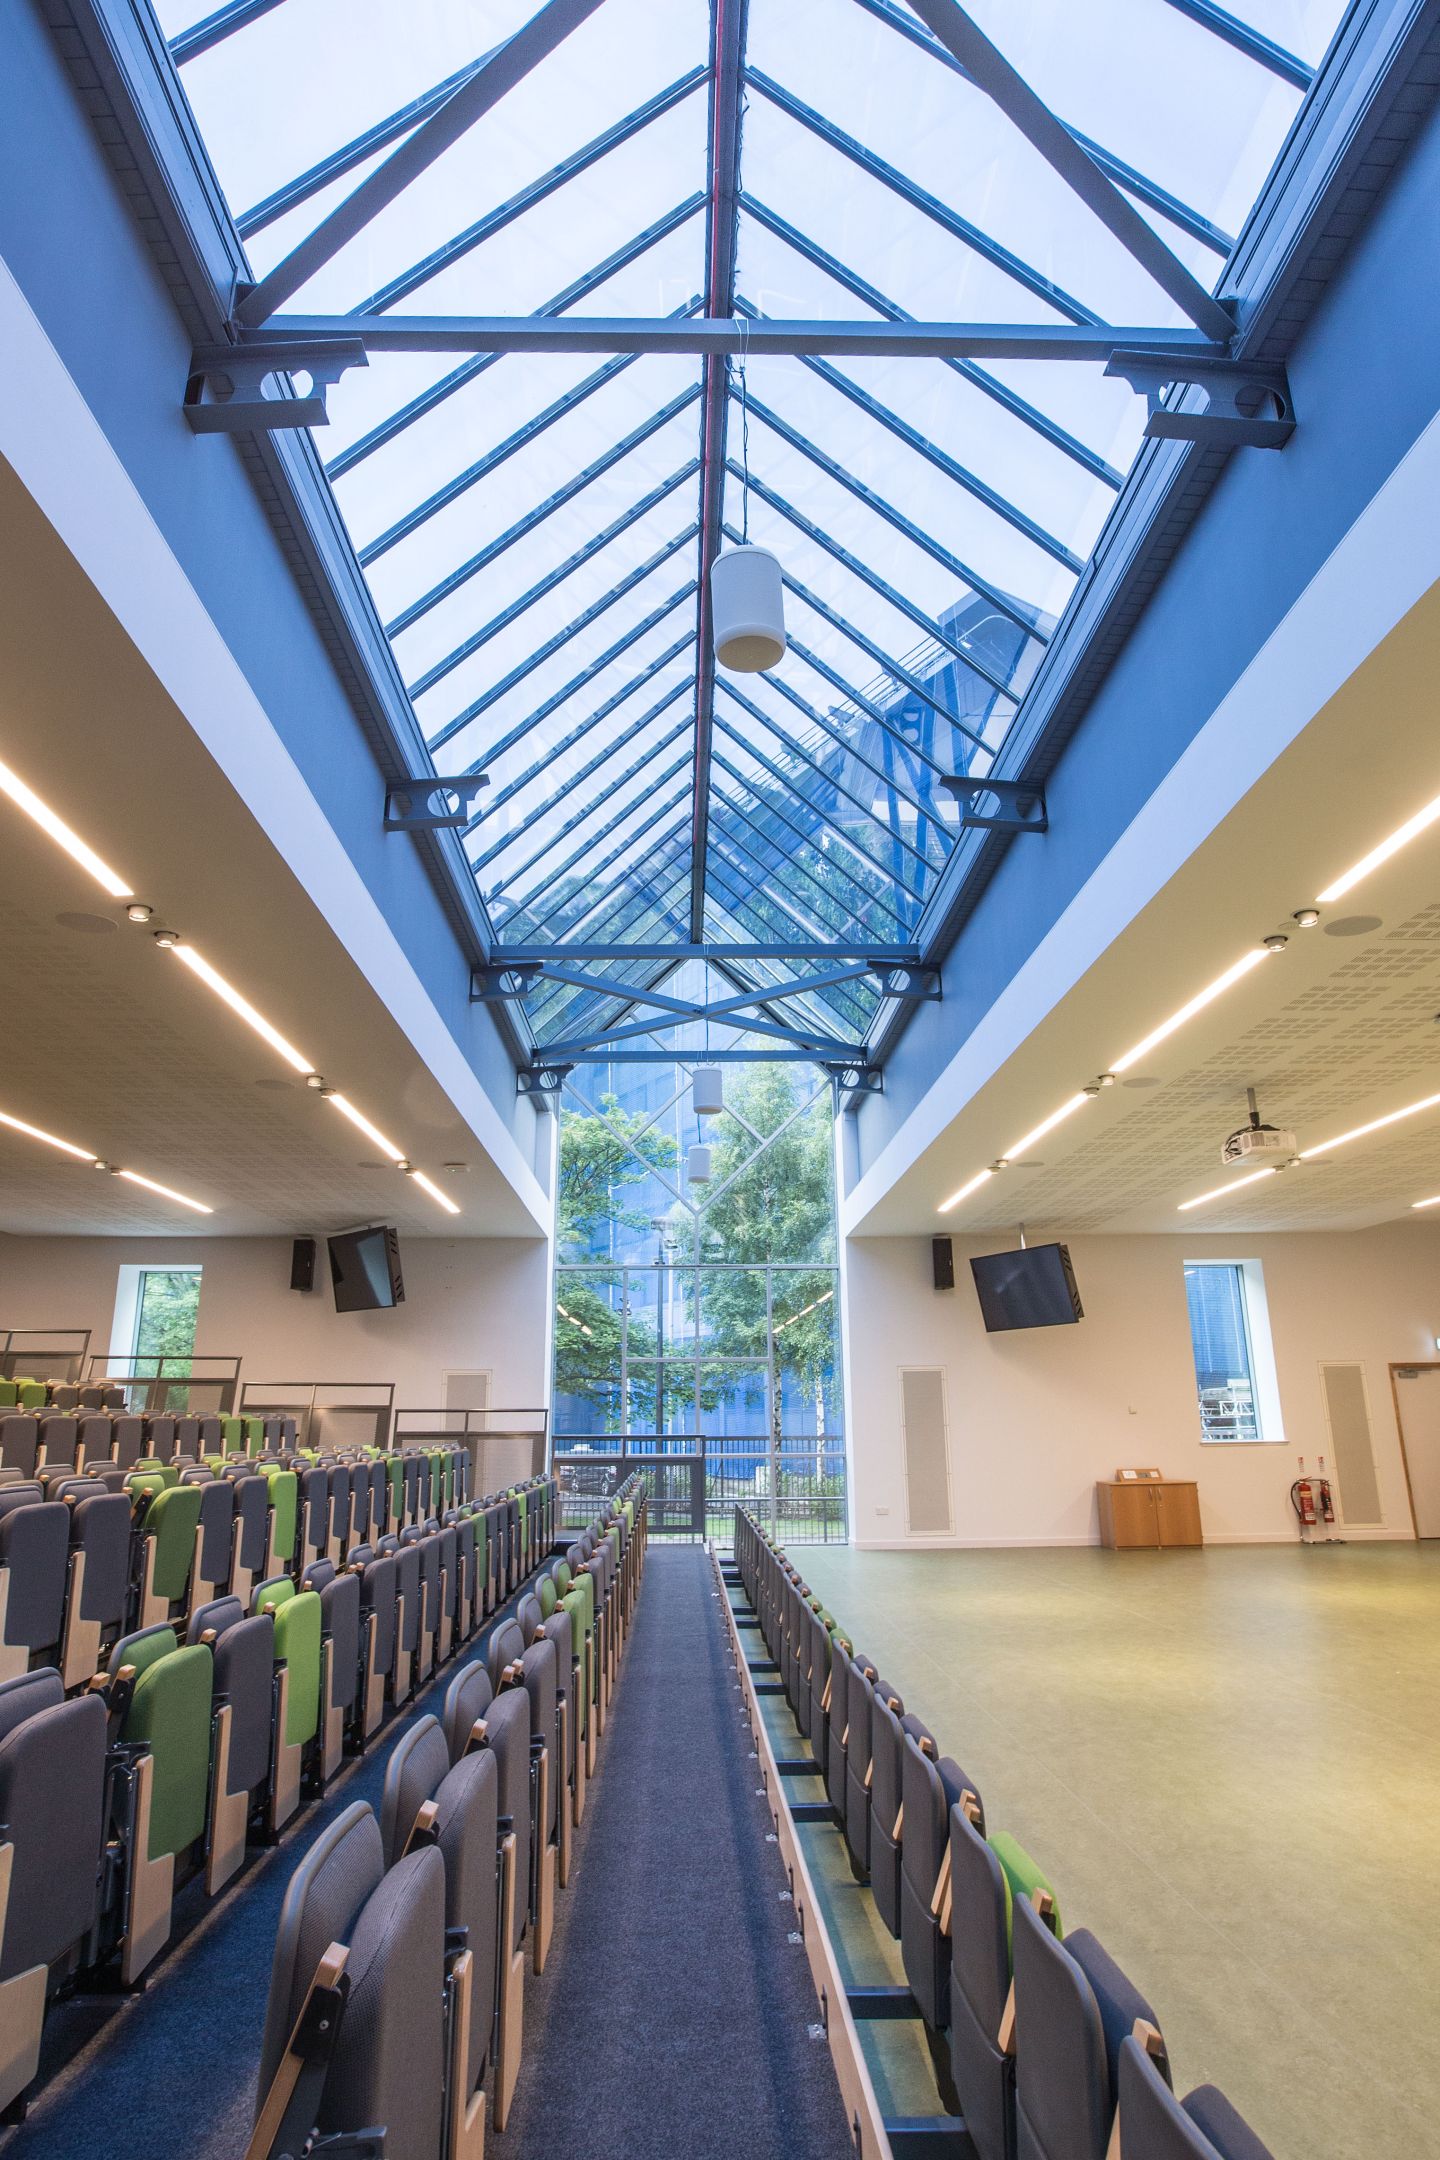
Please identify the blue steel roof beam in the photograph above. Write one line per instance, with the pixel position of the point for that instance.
(729, 23)
(594, 839)
(918, 198)
(950, 467)
(961, 572)
(580, 288)
(561, 749)
(552, 578)
(1008, 90)
(563, 637)
(508, 65)
(790, 781)
(646, 760)
(211, 30)
(337, 163)
(1136, 183)
(492, 552)
(904, 678)
(495, 221)
(950, 640)
(970, 371)
(865, 705)
(837, 735)
(496, 750)
(822, 1045)
(1253, 43)
(764, 808)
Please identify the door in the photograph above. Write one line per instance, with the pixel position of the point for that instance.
(1417, 1400)
(1177, 1510)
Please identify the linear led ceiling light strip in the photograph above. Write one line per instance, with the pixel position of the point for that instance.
(98, 1162)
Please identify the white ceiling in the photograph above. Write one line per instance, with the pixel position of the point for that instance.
(1339, 1028)
(111, 1043)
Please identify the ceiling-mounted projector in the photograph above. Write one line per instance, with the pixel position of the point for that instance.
(1258, 1143)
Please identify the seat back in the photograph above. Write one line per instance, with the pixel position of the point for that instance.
(322, 1903)
(57, 1437)
(467, 1703)
(1073, 2008)
(217, 1528)
(243, 1651)
(34, 1564)
(887, 1752)
(160, 1437)
(170, 1713)
(19, 1443)
(100, 1528)
(982, 2068)
(170, 1522)
(505, 1647)
(340, 1627)
(507, 1729)
(929, 1788)
(297, 1648)
(127, 1440)
(377, 1596)
(1154, 2125)
(52, 1806)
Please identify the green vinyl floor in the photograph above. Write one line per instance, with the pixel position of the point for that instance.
(1229, 1764)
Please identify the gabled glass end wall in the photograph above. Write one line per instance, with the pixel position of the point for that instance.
(697, 1319)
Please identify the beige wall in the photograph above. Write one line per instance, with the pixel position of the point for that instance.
(471, 1304)
(1035, 1418)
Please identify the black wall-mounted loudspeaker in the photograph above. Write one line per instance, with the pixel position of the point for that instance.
(943, 1254)
(302, 1264)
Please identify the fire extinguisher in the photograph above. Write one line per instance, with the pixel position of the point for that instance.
(1327, 1504)
(1302, 1499)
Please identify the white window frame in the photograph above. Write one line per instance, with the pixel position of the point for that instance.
(1264, 1376)
(129, 1288)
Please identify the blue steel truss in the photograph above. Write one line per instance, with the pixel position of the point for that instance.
(693, 277)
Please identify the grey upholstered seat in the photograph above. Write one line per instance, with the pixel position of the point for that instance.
(929, 1788)
(983, 2073)
(467, 1702)
(1155, 2125)
(52, 1808)
(244, 1661)
(34, 1565)
(1073, 2009)
(887, 1753)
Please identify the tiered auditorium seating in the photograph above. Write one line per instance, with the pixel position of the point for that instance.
(1046, 2050)
(397, 1987)
(182, 1667)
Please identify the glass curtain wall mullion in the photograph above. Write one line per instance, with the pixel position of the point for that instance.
(917, 198)
(475, 235)
(790, 780)
(612, 595)
(1145, 190)
(764, 808)
(541, 766)
(577, 683)
(425, 401)
(948, 639)
(969, 371)
(510, 615)
(491, 553)
(981, 587)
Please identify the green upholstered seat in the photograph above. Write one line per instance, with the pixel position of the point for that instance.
(169, 1713)
(171, 1520)
(276, 1590)
(284, 1508)
(298, 1636)
(548, 1595)
(563, 1577)
(151, 1465)
(253, 1430)
(1022, 1877)
(30, 1394)
(232, 1436)
(9, 1394)
(395, 1472)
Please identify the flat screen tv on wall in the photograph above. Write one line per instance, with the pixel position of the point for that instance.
(1034, 1287)
(365, 1270)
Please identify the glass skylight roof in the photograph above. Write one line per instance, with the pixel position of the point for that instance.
(533, 527)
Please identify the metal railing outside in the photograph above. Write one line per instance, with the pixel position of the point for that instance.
(696, 1481)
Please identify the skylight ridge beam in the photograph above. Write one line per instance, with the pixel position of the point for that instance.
(909, 191)
(979, 378)
(563, 637)
(425, 401)
(592, 547)
(497, 750)
(1013, 96)
(960, 571)
(1140, 185)
(518, 205)
(523, 527)
(687, 331)
(729, 22)
(474, 97)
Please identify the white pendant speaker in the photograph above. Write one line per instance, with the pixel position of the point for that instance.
(697, 1164)
(707, 1090)
(747, 602)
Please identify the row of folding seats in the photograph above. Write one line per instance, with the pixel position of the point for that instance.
(26, 1392)
(91, 1438)
(397, 1986)
(162, 1702)
(1052, 2052)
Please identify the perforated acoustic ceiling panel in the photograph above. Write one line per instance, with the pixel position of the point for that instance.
(1332, 1056)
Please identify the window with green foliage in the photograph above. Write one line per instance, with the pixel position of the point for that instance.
(701, 1316)
(166, 1309)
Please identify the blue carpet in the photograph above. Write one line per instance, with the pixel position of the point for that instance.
(675, 2014)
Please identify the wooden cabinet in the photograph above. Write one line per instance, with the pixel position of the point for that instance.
(1150, 1512)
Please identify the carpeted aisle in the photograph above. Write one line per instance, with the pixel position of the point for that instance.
(675, 2015)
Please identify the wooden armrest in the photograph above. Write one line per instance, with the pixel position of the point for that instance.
(422, 1830)
(1005, 2037)
(270, 2120)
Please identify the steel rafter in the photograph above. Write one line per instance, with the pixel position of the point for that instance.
(495, 221)
(498, 74)
(752, 836)
(979, 378)
(203, 36)
(626, 741)
(522, 669)
(842, 741)
(1253, 43)
(728, 24)
(546, 763)
(582, 555)
(1008, 90)
(754, 824)
(630, 810)
(788, 780)
(523, 527)
(713, 952)
(426, 401)
(1135, 183)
